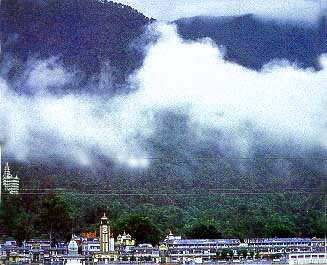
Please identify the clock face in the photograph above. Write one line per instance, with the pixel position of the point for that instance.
(105, 229)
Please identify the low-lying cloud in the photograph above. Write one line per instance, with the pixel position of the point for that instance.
(282, 101)
(291, 10)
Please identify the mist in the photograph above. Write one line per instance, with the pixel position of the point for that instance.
(282, 102)
(290, 10)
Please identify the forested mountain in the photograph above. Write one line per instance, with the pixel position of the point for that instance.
(86, 35)
(253, 42)
(205, 184)
(92, 35)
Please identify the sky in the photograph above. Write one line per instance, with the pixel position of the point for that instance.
(168, 10)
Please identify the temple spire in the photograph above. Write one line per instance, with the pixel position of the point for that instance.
(10, 183)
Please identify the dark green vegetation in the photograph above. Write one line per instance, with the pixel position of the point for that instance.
(149, 218)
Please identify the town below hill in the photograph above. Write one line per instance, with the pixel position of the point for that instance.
(88, 248)
(199, 188)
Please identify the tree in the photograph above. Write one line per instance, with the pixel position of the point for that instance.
(14, 219)
(140, 227)
(23, 228)
(279, 230)
(280, 226)
(54, 217)
(203, 230)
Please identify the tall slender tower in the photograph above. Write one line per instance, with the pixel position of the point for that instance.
(104, 234)
(9, 182)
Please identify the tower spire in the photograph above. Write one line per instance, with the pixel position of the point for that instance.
(10, 183)
(104, 234)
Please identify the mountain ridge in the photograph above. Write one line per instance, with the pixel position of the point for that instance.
(254, 42)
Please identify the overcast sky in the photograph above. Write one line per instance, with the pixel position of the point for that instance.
(173, 9)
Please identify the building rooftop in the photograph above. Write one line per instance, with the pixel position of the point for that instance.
(278, 240)
(203, 241)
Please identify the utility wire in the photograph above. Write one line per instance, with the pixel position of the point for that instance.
(171, 194)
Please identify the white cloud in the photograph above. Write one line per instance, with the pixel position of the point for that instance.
(282, 101)
(47, 73)
(303, 10)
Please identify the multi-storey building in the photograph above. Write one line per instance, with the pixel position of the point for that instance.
(280, 245)
(174, 249)
(278, 242)
(146, 252)
(307, 258)
(9, 182)
(199, 250)
(90, 246)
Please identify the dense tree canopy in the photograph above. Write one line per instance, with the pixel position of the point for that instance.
(140, 227)
(54, 217)
(204, 230)
(151, 220)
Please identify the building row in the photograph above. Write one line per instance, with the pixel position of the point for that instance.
(89, 248)
(85, 249)
(180, 250)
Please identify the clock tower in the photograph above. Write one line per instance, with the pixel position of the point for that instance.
(104, 234)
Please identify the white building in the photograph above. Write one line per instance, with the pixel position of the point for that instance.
(307, 258)
(73, 258)
(197, 250)
(10, 183)
(90, 246)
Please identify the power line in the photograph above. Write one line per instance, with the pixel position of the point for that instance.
(170, 194)
(181, 189)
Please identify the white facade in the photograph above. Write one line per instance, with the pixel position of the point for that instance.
(73, 258)
(308, 258)
(104, 234)
(10, 183)
(111, 244)
(90, 247)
